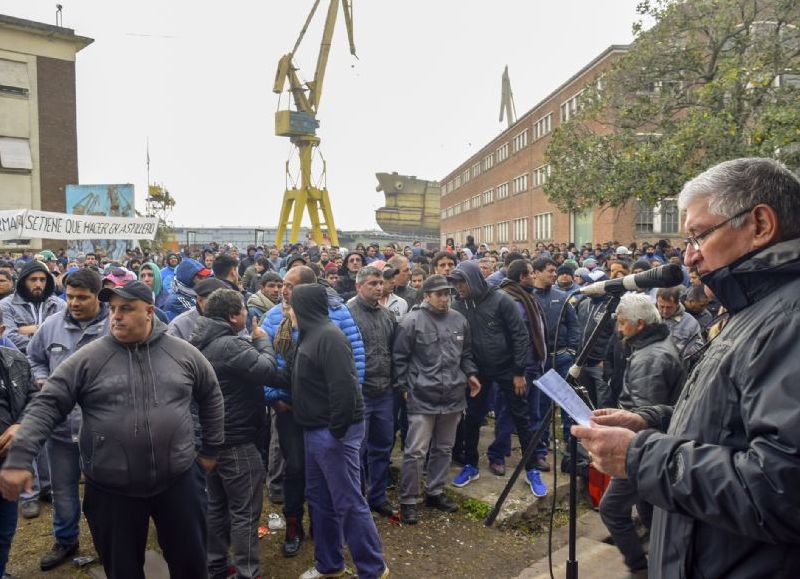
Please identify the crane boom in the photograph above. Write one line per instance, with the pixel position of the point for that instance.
(301, 125)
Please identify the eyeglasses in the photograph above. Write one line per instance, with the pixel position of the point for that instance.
(696, 240)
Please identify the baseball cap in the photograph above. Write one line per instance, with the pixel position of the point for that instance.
(49, 255)
(133, 290)
(435, 283)
(622, 250)
(206, 287)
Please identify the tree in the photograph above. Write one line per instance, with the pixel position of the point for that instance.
(709, 81)
(159, 204)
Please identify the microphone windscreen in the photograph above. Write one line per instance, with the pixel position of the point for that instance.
(668, 275)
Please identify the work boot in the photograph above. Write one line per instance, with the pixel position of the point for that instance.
(30, 509)
(408, 514)
(294, 536)
(57, 555)
(384, 509)
(441, 502)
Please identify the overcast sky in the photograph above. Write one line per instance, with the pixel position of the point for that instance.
(196, 79)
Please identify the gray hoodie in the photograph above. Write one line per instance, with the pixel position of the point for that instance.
(137, 434)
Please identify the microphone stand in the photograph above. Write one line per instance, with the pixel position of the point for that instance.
(572, 563)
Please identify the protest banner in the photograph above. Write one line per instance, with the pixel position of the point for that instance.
(31, 224)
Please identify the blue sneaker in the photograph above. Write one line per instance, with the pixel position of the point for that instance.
(538, 488)
(468, 474)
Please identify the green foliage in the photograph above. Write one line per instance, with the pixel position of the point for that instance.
(476, 510)
(159, 204)
(711, 80)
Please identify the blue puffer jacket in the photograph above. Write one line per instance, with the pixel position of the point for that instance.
(339, 315)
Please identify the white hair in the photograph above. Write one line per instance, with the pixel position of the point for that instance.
(634, 307)
(738, 185)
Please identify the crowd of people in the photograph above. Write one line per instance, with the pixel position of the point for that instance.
(187, 386)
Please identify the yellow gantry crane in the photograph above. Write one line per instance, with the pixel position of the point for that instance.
(301, 125)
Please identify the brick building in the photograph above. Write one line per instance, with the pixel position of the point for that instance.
(38, 132)
(496, 195)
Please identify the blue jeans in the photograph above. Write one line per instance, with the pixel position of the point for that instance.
(65, 476)
(337, 507)
(504, 425)
(41, 478)
(376, 448)
(8, 525)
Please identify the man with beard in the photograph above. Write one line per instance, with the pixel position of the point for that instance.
(167, 272)
(33, 302)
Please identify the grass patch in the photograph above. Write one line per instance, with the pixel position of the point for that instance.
(476, 510)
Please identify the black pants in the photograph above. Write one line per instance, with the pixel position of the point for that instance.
(119, 526)
(290, 437)
(476, 411)
(615, 510)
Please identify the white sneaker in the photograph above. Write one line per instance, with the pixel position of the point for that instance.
(314, 574)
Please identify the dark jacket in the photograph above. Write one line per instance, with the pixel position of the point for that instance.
(325, 389)
(376, 325)
(725, 477)
(242, 369)
(408, 293)
(433, 359)
(590, 310)
(20, 310)
(569, 333)
(58, 338)
(137, 433)
(346, 286)
(17, 388)
(500, 340)
(654, 371)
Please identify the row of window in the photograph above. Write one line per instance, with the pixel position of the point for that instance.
(507, 231)
(542, 127)
(518, 185)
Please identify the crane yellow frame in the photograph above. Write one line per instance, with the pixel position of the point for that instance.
(300, 126)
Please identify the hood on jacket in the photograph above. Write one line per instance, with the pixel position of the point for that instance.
(172, 254)
(158, 284)
(209, 329)
(310, 305)
(470, 272)
(28, 269)
(334, 299)
(187, 269)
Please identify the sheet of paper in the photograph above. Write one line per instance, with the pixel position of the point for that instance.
(562, 394)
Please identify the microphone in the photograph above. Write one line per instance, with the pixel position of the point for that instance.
(664, 276)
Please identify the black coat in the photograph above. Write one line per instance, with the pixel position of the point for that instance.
(725, 477)
(500, 340)
(242, 368)
(16, 387)
(325, 389)
(376, 325)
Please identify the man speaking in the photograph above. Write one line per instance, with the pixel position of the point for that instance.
(722, 467)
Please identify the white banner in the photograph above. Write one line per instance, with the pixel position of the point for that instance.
(30, 224)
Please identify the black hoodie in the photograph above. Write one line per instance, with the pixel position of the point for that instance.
(325, 388)
(346, 286)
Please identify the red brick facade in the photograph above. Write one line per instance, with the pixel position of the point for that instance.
(461, 216)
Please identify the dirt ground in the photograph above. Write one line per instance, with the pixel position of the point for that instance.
(441, 545)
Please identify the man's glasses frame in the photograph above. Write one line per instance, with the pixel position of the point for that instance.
(696, 240)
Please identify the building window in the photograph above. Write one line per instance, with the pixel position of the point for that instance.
(488, 234)
(488, 162)
(502, 232)
(15, 154)
(543, 126)
(14, 78)
(502, 153)
(476, 201)
(570, 108)
(540, 175)
(476, 170)
(644, 218)
(521, 229)
(502, 190)
(666, 217)
(457, 182)
(543, 226)
(488, 196)
(520, 141)
(520, 183)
